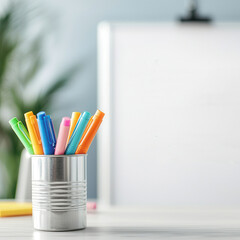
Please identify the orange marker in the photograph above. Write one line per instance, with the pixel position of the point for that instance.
(90, 134)
(33, 130)
(74, 119)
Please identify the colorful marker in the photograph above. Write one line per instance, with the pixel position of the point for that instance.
(32, 125)
(91, 132)
(22, 134)
(74, 119)
(47, 133)
(62, 136)
(77, 133)
(87, 127)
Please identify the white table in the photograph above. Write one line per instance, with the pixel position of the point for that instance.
(129, 223)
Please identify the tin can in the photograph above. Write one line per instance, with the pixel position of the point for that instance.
(59, 192)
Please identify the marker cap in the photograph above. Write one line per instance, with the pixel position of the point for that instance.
(41, 115)
(66, 121)
(28, 114)
(86, 115)
(13, 121)
(99, 114)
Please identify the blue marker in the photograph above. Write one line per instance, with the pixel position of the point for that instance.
(77, 133)
(47, 133)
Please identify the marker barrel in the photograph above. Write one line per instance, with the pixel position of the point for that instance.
(77, 133)
(22, 134)
(74, 120)
(62, 136)
(47, 133)
(32, 125)
(90, 134)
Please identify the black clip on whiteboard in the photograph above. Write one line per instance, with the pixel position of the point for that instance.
(193, 15)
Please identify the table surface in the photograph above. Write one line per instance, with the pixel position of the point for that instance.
(138, 223)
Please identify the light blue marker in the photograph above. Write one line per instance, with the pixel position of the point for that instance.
(77, 133)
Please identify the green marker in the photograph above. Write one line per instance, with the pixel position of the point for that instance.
(22, 134)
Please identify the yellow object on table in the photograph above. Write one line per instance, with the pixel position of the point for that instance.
(10, 209)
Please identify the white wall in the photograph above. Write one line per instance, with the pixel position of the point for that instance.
(73, 25)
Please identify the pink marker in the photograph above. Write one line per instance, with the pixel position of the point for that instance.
(62, 136)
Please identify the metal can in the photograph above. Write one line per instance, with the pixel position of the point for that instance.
(59, 192)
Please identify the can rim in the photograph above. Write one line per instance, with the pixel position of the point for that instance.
(71, 155)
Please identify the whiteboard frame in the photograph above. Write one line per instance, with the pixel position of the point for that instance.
(104, 149)
(105, 136)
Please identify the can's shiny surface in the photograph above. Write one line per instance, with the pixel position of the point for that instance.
(59, 192)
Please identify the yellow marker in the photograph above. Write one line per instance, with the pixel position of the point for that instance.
(74, 119)
(10, 209)
(32, 125)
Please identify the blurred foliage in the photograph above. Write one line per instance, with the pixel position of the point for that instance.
(20, 61)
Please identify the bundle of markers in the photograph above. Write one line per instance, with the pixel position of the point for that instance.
(74, 137)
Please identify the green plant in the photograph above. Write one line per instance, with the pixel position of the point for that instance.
(20, 62)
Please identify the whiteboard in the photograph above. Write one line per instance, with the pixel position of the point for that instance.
(171, 93)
